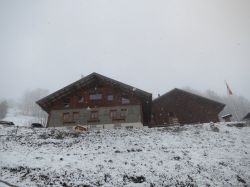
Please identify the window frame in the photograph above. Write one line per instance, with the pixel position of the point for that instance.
(66, 103)
(125, 100)
(110, 97)
(113, 111)
(68, 119)
(94, 96)
(92, 116)
(81, 99)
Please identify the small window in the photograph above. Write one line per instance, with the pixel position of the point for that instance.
(76, 116)
(80, 99)
(66, 117)
(66, 103)
(113, 114)
(125, 100)
(95, 96)
(110, 97)
(94, 115)
(129, 127)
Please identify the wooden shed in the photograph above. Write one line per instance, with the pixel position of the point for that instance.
(181, 107)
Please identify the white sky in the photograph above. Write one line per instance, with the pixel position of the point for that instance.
(154, 45)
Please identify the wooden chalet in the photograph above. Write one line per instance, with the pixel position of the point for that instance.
(181, 107)
(96, 101)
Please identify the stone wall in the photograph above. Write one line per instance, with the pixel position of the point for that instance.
(133, 116)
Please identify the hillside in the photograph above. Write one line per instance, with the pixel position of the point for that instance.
(15, 115)
(199, 155)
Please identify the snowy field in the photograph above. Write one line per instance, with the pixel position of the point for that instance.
(199, 155)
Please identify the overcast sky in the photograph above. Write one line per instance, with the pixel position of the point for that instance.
(154, 45)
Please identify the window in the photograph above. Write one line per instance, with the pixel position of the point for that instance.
(66, 117)
(113, 114)
(94, 115)
(125, 100)
(95, 96)
(129, 127)
(124, 112)
(80, 99)
(66, 103)
(110, 97)
(76, 116)
(118, 115)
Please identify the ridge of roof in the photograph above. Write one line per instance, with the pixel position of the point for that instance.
(189, 93)
(77, 84)
(121, 83)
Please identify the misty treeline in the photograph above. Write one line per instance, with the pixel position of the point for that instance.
(236, 105)
(29, 107)
(3, 109)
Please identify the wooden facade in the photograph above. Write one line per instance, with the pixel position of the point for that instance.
(93, 96)
(96, 99)
(181, 107)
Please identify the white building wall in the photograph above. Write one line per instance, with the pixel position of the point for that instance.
(114, 126)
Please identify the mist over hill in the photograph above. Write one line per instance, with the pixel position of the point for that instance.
(236, 105)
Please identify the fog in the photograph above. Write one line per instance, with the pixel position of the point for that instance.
(153, 45)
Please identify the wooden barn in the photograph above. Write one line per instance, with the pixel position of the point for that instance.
(181, 107)
(96, 101)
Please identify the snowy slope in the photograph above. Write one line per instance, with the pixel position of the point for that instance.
(199, 155)
(19, 119)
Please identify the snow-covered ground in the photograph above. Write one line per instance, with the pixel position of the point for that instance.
(191, 155)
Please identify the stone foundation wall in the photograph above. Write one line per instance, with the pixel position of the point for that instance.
(133, 116)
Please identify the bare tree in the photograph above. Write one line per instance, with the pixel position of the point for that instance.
(28, 104)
